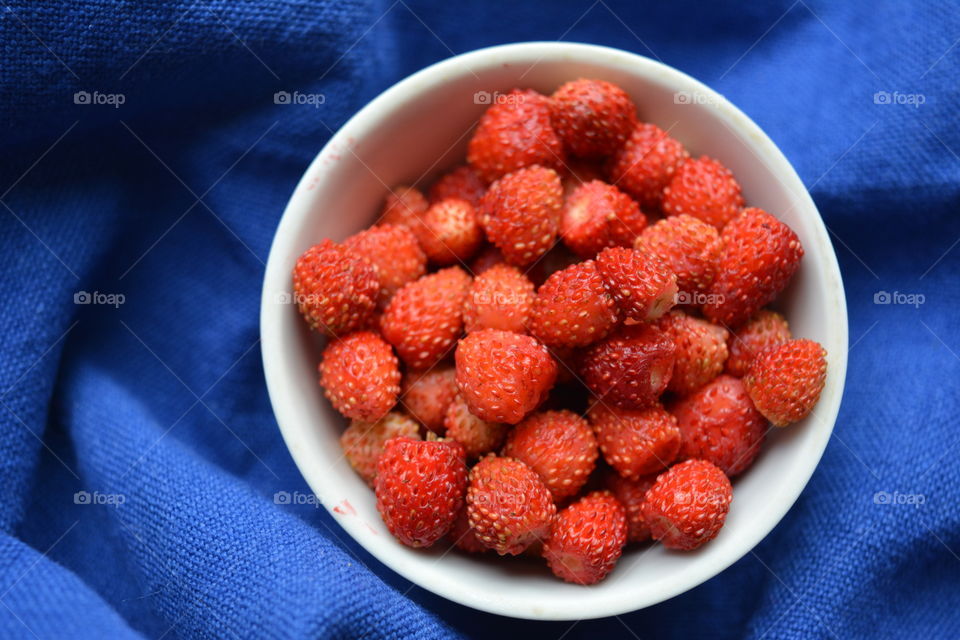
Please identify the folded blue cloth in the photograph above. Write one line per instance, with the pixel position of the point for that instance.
(145, 166)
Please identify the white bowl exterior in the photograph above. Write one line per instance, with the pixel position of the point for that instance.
(418, 128)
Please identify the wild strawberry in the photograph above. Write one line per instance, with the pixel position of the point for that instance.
(701, 351)
(631, 494)
(592, 117)
(765, 329)
(587, 538)
(718, 423)
(450, 232)
(487, 257)
(508, 506)
(477, 436)
(463, 535)
(559, 446)
(335, 288)
(630, 368)
(688, 504)
(503, 376)
(645, 164)
(689, 247)
(514, 133)
(404, 206)
(521, 214)
(573, 308)
(785, 381)
(635, 442)
(424, 318)
(642, 285)
(760, 255)
(463, 183)
(427, 394)
(704, 189)
(360, 375)
(598, 215)
(499, 298)
(420, 487)
(394, 253)
(363, 442)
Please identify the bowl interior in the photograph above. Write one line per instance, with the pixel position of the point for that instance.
(419, 128)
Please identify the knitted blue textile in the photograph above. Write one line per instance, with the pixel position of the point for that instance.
(144, 168)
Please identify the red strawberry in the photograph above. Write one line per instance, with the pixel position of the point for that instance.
(718, 423)
(688, 504)
(424, 319)
(450, 232)
(394, 252)
(785, 381)
(514, 133)
(690, 248)
(487, 257)
(463, 535)
(587, 539)
(573, 308)
(427, 395)
(598, 215)
(760, 255)
(499, 298)
(701, 351)
(558, 445)
(508, 506)
(463, 183)
(420, 487)
(521, 214)
(503, 376)
(764, 329)
(477, 436)
(630, 368)
(363, 442)
(642, 285)
(360, 375)
(704, 189)
(335, 288)
(632, 494)
(635, 442)
(592, 117)
(404, 206)
(646, 163)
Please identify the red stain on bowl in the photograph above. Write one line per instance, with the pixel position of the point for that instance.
(345, 509)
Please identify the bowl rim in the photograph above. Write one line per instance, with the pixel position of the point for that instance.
(453, 588)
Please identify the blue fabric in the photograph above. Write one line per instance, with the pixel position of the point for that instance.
(171, 198)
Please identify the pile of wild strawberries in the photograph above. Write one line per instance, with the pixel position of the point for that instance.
(602, 295)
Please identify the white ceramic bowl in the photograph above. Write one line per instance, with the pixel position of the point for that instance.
(420, 127)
